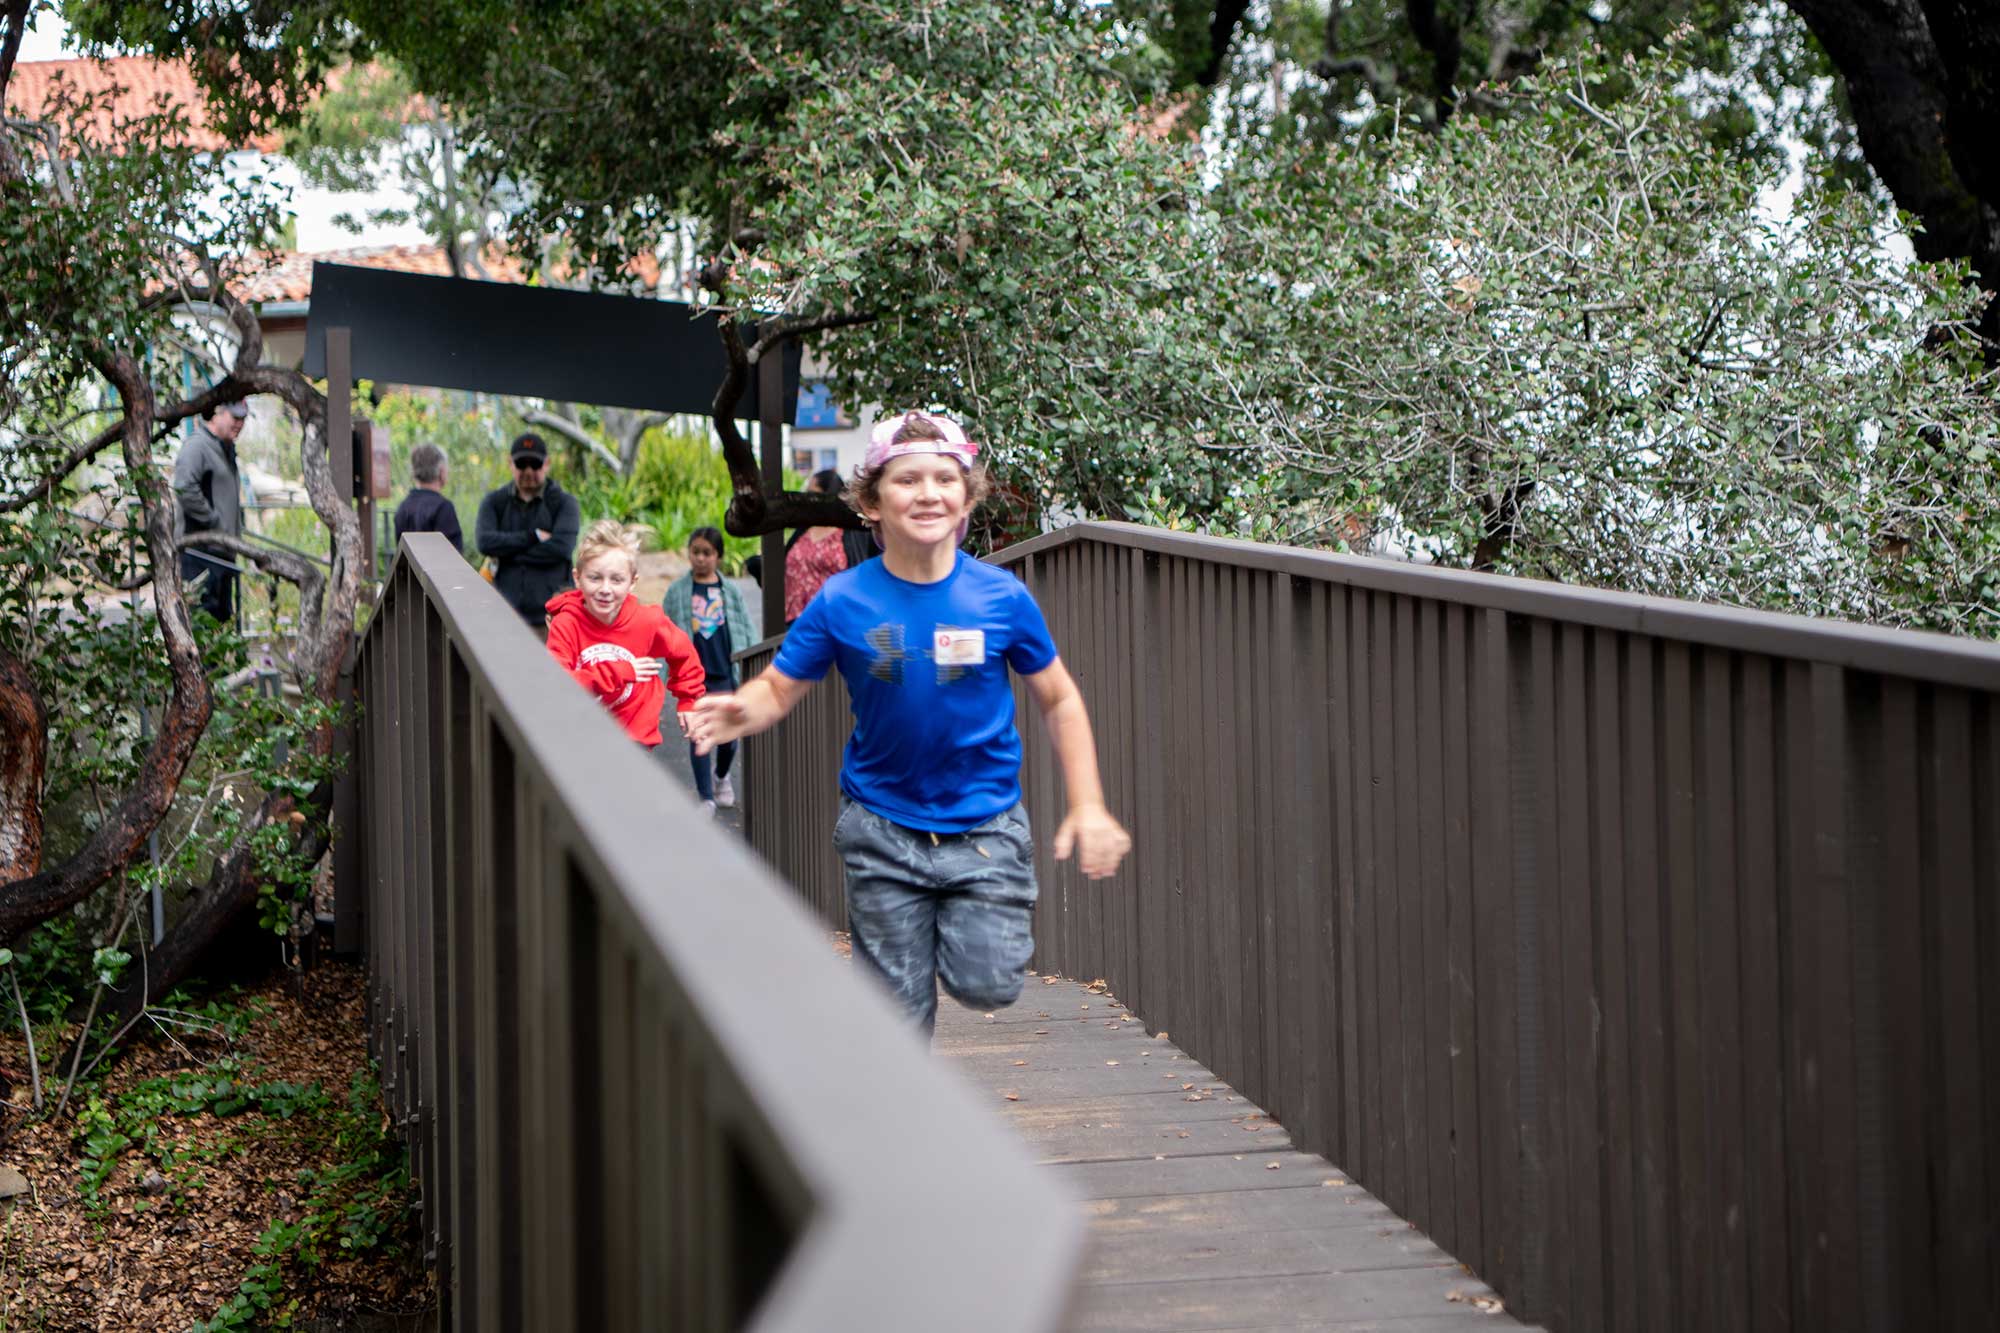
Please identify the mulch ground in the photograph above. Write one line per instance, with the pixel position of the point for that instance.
(161, 1264)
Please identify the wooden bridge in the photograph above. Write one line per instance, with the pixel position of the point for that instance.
(1489, 949)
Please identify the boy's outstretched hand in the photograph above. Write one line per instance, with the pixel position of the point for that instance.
(1100, 841)
(716, 719)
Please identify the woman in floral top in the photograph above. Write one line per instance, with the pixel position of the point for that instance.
(815, 555)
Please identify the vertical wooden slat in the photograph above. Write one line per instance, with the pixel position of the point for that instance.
(1407, 942)
(620, 1013)
(1898, 890)
(1346, 822)
(1454, 771)
(1763, 967)
(1832, 928)
(1646, 929)
(462, 858)
(1373, 751)
(1607, 763)
(1440, 1212)
(1580, 994)
(1292, 1016)
(1965, 1221)
(1495, 981)
(1682, 943)
(1800, 900)
(1545, 1223)
(1727, 1303)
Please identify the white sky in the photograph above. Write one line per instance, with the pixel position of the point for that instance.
(46, 38)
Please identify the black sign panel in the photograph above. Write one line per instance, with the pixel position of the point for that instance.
(535, 342)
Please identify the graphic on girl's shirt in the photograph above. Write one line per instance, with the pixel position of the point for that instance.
(707, 610)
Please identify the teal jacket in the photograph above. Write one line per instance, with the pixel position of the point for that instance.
(679, 606)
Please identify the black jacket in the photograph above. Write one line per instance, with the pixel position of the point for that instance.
(426, 511)
(529, 570)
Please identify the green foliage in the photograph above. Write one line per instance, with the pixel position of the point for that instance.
(680, 483)
(361, 1202)
(1570, 343)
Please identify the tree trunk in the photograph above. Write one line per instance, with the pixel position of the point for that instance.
(1922, 109)
(113, 844)
(24, 755)
(751, 512)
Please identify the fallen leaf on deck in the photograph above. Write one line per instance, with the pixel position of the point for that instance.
(1271, 1166)
(1110, 1062)
(1018, 1063)
(1011, 1096)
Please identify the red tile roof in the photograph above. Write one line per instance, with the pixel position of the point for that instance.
(288, 277)
(140, 86)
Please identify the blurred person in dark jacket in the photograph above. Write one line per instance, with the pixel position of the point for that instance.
(529, 530)
(208, 484)
(425, 509)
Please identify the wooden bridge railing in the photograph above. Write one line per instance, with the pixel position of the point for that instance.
(639, 1090)
(1645, 954)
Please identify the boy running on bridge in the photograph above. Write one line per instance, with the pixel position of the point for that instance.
(615, 645)
(938, 854)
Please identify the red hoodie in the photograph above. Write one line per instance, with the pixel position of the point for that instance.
(603, 659)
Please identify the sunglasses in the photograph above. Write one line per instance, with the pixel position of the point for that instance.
(528, 462)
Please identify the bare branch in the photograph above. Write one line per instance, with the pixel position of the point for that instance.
(570, 430)
(203, 403)
(777, 330)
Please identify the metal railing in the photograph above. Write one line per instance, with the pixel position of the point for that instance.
(1645, 954)
(639, 1089)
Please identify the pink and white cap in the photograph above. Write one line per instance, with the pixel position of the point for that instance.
(883, 444)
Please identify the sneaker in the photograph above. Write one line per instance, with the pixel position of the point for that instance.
(725, 793)
(708, 808)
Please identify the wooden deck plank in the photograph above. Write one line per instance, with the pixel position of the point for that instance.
(1202, 1213)
(1345, 1301)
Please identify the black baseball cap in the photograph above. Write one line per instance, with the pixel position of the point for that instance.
(530, 443)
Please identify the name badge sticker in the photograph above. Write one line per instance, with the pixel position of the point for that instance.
(959, 647)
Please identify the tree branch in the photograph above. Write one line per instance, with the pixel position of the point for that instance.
(1897, 87)
(570, 430)
(1221, 32)
(777, 330)
(269, 559)
(118, 838)
(226, 390)
(1443, 39)
(14, 13)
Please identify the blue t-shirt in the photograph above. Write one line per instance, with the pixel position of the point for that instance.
(934, 745)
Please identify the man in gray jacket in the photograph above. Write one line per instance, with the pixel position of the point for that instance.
(206, 480)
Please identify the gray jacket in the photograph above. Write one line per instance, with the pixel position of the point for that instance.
(205, 479)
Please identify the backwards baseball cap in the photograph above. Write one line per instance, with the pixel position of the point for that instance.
(884, 445)
(530, 443)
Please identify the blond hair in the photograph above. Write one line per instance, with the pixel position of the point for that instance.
(604, 536)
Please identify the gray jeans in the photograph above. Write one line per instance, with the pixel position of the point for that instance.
(954, 907)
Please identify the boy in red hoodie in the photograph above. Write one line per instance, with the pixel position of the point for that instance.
(612, 643)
